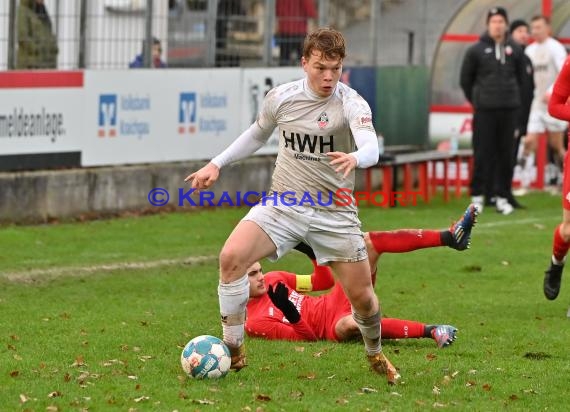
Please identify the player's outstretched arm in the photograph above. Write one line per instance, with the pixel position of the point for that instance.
(298, 327)
(558, 108)
(280, 298)
(245, 145)
(557, 105)
(205, 177)
(343, 162)
(366, 155)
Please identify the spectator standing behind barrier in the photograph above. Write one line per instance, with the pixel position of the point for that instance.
(292, 27)
(491, 73)
(547, 56)
(224, 24)
(519, 30)
(37, 45)
(156, 51)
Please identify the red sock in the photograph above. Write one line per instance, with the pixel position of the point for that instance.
(399, 329)
(322, 278)
(406, 240)
(559, 245)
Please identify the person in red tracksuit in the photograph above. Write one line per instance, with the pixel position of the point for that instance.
(292, 26)
(278, 307)
(559, 108)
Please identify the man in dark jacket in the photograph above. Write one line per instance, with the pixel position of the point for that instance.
(519, 31)
(491, 75)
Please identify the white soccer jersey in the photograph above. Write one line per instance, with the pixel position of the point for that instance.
(309, 127)
(547, 60)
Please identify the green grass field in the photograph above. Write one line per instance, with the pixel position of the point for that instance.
(93, 316)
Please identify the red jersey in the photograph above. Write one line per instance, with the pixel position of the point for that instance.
(293, 14)
(558, 104)
(319, 314)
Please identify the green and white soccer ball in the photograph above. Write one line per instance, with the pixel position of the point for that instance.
(206, 357)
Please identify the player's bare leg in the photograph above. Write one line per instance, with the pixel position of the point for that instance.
(247, 244)
(357, 284)
(530, 144)
(529, 148)
(346, 328)
(556, 141)
(373, 255)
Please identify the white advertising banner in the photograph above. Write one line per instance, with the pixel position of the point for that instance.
(141, 116)
(256, 83)
(40, 120)
(444, 126)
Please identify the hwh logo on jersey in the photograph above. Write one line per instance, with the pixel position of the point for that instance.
(300, 143)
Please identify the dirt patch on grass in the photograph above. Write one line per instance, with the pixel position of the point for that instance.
(41, 275)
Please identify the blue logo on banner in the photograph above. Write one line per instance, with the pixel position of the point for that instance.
(107, 115)
(187, 113)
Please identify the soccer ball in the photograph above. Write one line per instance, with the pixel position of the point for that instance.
(206, 357)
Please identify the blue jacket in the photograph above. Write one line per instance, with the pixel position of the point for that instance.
(138, 63)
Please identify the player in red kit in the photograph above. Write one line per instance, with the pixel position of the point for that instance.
(559, 107)
(279, 309)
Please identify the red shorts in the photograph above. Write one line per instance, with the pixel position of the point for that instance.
(337, 307)
(566, 183)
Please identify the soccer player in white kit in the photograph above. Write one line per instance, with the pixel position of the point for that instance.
(547, 56)
(325, 132)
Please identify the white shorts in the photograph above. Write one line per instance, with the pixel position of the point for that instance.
(539, 121)
(334, 236)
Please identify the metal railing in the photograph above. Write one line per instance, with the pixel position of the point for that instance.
(113, 34)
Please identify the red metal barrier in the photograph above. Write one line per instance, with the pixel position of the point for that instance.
(424, 169)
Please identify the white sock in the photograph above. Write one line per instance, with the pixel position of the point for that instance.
(233, 301)
(370, 330)
(558, 262)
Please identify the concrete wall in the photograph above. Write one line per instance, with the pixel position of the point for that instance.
(32, 197)
(44, 195)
